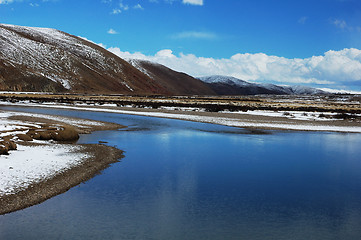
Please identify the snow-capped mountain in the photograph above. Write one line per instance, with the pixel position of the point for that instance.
(42, 59)
(225, 79)
(300, 90)
(225, 85)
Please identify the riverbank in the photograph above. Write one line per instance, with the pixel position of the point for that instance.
(39, 169)
(256, 119)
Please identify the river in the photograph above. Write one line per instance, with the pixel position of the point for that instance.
(187, 180)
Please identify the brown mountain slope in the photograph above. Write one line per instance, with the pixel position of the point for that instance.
(175, 82)
(41, 59)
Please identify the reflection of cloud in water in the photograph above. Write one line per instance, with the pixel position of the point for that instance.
(332, 142)
(171, 201)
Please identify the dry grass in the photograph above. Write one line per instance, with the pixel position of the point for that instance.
(324, 103)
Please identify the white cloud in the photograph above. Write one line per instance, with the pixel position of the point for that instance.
(194, 35)
(120, 8)
(193, 2)
(340, 91)
(116, 11)
(112, 31)
(138, 6)
(339, 23)
(343, 25)
(6, 1)
(331, 68)
(124, 7)
(302, 20)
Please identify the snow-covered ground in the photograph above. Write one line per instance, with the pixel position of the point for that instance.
(308, 123)
(296, 115)
(11, 125)
(32, 164)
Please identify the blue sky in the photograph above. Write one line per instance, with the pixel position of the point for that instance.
(171, 31)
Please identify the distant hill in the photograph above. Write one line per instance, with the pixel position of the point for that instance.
(175, 82)
(224, 85)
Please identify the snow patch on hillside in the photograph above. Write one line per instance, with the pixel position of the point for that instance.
(137, 64)
(51, 53)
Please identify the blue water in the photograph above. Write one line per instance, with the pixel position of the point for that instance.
(186, 180)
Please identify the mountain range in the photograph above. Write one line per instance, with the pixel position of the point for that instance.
(49, 60)
(224, 85)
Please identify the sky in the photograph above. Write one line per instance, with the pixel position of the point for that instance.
(290, 42)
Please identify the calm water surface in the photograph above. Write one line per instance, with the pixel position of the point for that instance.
(185, 180)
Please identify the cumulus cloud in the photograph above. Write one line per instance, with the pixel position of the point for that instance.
(331, 68)
(193, 2)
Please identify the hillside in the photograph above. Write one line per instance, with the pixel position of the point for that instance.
(41, 59)
(175, 82)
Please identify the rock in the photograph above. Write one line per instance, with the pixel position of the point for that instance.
(3, 150)
(9, 145)
(34, 134)
(46, 135)
(12, 145)
(24, 137)
(67, 134)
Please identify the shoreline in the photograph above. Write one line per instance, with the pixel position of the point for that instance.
(41, 169)
(265, 120)
(61, 183)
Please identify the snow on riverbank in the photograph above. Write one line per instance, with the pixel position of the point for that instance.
(32, 164)
(309, 120)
